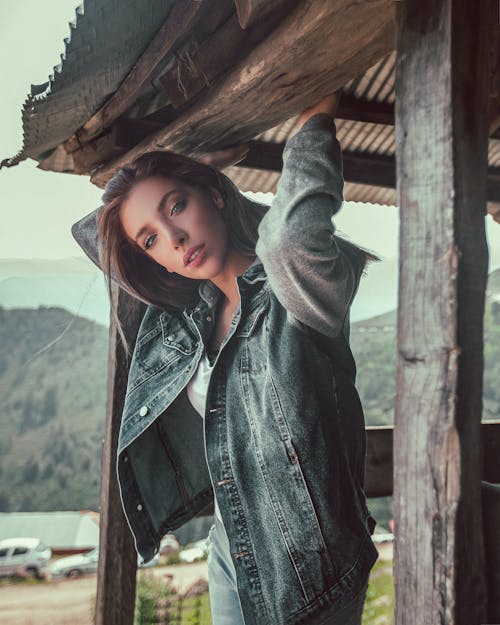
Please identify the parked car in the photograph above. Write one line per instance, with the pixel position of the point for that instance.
(27, 557)
(194, 551)
(86, 563)
(77, 565)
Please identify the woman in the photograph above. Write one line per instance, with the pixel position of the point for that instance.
(247, 327)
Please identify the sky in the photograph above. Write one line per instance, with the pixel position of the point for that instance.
(38, 208)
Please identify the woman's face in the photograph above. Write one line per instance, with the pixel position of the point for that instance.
(177, 226)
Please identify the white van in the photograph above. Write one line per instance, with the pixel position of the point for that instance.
(27, 557)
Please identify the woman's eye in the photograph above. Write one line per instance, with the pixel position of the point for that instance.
(149, 241)
(177, 207)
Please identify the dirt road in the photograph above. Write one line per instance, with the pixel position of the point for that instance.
(70, 602)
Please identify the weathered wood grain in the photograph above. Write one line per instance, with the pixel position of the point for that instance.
(179, 21)
(442, 139)
(251, 12)
(378, 170)
(315, 50)
(199, 63)
(116, 574)
(118, 139)
(491, 522)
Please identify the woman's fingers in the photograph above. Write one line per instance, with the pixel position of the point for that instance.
(225, 157)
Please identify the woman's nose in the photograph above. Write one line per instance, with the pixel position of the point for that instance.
(175, 237)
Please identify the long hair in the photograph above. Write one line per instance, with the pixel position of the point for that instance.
(125, 260)
(145, 278)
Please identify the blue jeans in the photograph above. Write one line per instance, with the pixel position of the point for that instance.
(222, 591)
(224, 601)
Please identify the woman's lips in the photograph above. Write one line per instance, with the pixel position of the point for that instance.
(198, 259)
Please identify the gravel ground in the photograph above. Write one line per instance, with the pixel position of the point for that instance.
(69, 602)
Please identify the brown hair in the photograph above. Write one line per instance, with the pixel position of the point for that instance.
(125, 260)
(141, 275)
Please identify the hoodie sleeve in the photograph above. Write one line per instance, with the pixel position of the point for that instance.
(84, 232)
(313, 273)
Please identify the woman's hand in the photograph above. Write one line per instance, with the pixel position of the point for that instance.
(327, 105)
(225, 157)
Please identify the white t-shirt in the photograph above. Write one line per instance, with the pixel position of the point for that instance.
(197, 392)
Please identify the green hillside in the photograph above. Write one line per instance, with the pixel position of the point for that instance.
(373, 343)
(53, 384)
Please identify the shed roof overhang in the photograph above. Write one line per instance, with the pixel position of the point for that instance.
(196, 76)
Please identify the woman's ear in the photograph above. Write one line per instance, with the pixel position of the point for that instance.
(217, 197)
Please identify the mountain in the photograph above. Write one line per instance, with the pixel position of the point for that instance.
(53, 384)
(73, 283)
(373, 343)
(53, 369)
(79, 286)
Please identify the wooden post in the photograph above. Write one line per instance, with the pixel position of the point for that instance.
(115, 598)
(441, 142)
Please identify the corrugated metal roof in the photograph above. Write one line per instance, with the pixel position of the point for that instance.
(104, 42)
(375, 85)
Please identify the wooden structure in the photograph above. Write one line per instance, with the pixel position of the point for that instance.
(215, 74)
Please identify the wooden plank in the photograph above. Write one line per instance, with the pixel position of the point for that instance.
(117, 140)
(251, 12)
(179, 22)
(379, 457)
(490, 445)
(491, 522)
(494, 69)
(378, 471)
(199, 63)
(115, 599)
(442, 140)
(256, 94)
(377, 170)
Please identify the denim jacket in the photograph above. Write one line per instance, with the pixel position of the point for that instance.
(282, 445)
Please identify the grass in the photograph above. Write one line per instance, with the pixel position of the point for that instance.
(379, 603)
(157, 603)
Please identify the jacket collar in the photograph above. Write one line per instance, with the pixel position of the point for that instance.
(210, 293)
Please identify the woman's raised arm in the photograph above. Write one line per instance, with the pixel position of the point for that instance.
(312, 273)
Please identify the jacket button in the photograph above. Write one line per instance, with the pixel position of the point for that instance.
(143, 411)
(209, 317)
(170, 337)
(139, 507)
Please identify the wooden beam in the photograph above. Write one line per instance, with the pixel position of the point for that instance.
(359, 167)
(491, 518)
(378, 471)
(124, 134)
(379, 457)
(251, 12)
(361, 110)
(256, 94)
(179, 22)
(442, 144)
(494, 69)
(199, 63)
(116, 140)
(116, 574)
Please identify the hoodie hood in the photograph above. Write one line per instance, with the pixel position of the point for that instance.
(85, 233)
